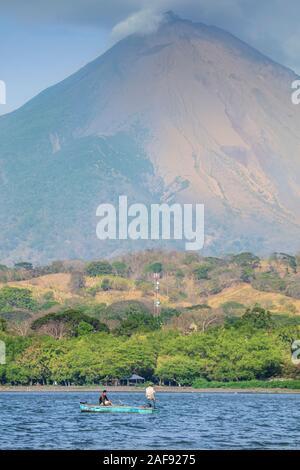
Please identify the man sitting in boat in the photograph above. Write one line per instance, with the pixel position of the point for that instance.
(150, 395)
(104, 400)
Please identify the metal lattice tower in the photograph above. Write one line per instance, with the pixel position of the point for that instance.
(156, 277)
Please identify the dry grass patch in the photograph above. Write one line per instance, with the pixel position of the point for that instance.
(245, 294)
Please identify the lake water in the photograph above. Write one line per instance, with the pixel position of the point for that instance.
(185, 421)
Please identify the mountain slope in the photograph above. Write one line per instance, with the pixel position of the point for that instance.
(188, 113)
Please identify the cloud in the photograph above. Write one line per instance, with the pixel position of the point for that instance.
(272, 26)
(143, 22)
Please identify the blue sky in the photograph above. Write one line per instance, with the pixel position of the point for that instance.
(44, 41)
(34, 57)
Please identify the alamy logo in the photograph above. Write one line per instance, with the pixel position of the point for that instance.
(2, 92)
(296, 352)
(296, 93)
(161, 222)
(2, 353)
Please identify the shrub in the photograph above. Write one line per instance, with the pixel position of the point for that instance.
(154, 268)
(137, 321)
(119, 310)
(167, 313)
(256, 317)
(71, 319)
(14, 297)
(120, 268)
(77, 281)
(201, 272)
(269, 282)
(179, 368)
(3, 324)
(145, 286)
(118, 283)
(98, 268)
(293, 288)
(286, 259)
(24, 265)
(232, 308)
(84, 328)
(106, 284)
(246, 259)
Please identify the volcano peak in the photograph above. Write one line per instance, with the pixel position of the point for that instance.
(170, 17)
(188, 114)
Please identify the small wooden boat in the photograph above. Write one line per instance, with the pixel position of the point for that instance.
(87, 408)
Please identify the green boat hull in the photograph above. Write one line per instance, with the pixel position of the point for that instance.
(86, 408)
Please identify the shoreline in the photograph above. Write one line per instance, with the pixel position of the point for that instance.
(132, 389)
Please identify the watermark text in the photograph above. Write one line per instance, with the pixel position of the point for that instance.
(296, 93)
(2, 92)
(158, 222)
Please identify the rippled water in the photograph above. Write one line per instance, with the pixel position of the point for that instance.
(185, 421)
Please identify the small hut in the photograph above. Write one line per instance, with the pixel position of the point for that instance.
(133, 380)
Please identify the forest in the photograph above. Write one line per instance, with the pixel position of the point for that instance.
(173, 318)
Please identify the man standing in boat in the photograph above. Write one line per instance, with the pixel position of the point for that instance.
(150, 395)
(104, 400)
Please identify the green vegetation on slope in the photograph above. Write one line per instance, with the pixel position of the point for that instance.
(82, 323)
(254, 348)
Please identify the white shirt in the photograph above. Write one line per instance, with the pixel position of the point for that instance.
(150, 393)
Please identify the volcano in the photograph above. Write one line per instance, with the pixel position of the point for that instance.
(186, 114)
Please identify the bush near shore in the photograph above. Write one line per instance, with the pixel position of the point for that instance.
(74, 322)
(251, 348)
